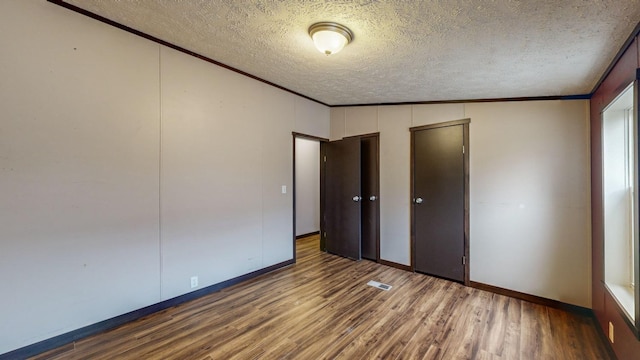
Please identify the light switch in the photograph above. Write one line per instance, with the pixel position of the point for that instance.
(284, 189)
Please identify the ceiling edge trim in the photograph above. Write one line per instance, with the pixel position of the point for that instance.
(530, 98)
(625, 46)
(133, 31)
(172, 46)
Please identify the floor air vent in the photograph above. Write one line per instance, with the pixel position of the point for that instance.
(379, 285)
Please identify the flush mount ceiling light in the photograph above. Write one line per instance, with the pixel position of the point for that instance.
(330, 37)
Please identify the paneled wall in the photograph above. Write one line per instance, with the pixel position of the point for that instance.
(530, 194)
(126, 168)
(625, 345)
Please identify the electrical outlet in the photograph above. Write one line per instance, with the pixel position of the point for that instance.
(610, 332)
(194, 282)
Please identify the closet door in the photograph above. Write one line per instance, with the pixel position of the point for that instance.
(343, 198)
(370, 190)
(438, 210)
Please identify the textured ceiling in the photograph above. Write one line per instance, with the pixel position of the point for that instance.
(403, 51)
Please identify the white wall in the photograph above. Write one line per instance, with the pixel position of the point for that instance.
(530, 205)
(530, 198)
(307, 186)
(126, 168)
(395, 192)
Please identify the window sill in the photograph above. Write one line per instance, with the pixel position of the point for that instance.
(624, 297)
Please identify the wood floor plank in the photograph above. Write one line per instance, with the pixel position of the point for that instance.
(511, 341)
(322, 308)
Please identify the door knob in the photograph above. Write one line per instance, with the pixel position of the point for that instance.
(357, 198)
(417, 200)
(372, 198)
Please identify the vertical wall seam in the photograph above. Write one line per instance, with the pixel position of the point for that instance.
(411, 123)
(262, 182)
(160, 259)
(344, 123)
(295, 117)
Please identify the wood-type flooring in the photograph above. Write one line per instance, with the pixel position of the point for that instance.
(322, 308)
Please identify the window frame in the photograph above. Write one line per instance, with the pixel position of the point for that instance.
(636, 237)
(632, 115)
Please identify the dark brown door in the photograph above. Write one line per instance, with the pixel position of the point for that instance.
(438, 201)
(369, 186)
(343, 198)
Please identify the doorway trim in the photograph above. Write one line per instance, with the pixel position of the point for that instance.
(322, 141)
(465, 126)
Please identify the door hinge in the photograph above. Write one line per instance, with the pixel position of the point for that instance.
(325, 234)
(325, 158)
(464, 260)
(463, 149)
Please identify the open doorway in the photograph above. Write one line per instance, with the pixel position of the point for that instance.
(317, 193)
(307, 176)
(308, 184)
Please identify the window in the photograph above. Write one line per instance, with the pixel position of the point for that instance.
(620, 181)
(629, 165)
